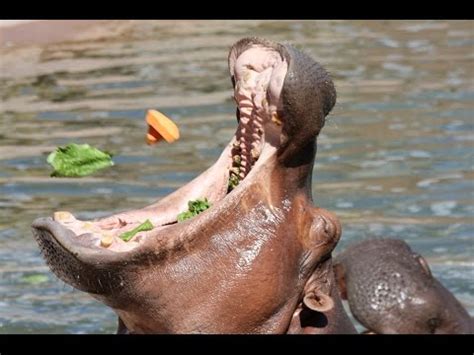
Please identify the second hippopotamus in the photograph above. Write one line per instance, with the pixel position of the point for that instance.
(391, 290)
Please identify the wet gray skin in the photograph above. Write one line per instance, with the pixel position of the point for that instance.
(391, 290)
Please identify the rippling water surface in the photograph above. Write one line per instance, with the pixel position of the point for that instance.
(395, 158)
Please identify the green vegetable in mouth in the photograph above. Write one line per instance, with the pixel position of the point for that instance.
(194, 208)
(75, 160)
(233, 181)
(145, 226)
(234, 178)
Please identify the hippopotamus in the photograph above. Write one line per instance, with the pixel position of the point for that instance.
(259, 259)
(391, 290)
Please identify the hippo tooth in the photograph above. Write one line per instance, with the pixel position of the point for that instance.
(245, 111)
(63, 216)
(247, 75)
(255, 152)
(276, 119)
(107, 240)
(88, 225)
(244, 119)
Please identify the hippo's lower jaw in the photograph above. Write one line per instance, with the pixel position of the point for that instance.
(259, 254)
(68, 244)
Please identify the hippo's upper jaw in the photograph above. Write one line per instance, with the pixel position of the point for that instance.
(242, 265)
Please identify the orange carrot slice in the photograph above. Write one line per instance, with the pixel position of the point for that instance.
(153, 136)
(160, 127)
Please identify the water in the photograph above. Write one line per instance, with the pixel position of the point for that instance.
(395, 158)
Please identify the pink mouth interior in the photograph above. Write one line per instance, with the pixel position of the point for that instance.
(259, 74)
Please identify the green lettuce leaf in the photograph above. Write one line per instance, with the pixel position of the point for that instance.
(194, 208)
(145, 226)
(76, 160)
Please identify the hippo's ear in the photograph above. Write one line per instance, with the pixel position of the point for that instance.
(424, 264)
(340, 276)
(318, 301)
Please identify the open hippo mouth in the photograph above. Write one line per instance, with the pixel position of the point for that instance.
(257, 75)
(259, 187)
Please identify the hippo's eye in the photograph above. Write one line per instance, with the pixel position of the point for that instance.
(433, 323)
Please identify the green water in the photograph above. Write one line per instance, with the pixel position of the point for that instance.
(395, 158)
